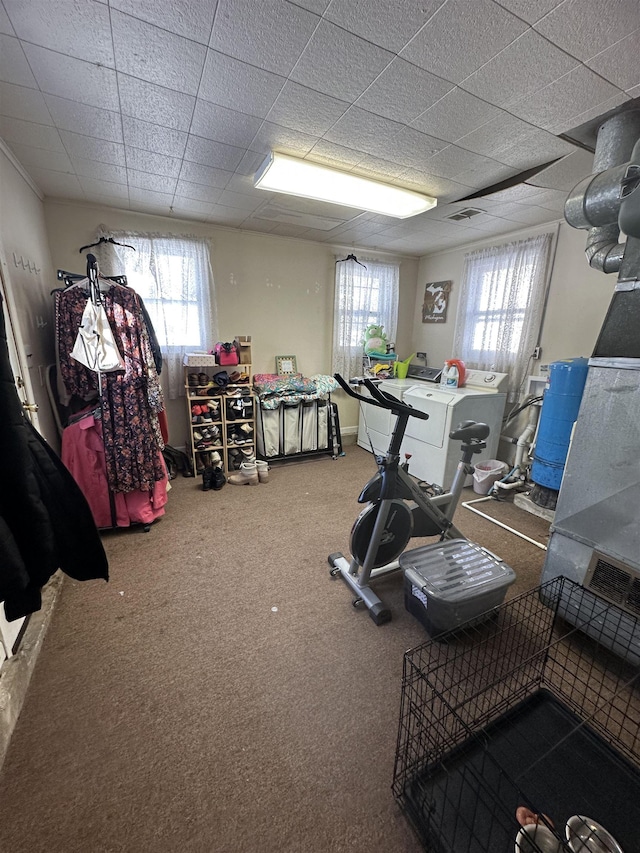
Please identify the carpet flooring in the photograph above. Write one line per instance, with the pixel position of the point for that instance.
(221, 693)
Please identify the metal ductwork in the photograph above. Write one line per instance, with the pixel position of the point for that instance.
(594, 203)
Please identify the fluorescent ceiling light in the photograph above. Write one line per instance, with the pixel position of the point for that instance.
(284, 174)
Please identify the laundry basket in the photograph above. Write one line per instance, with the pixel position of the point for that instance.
(485, 475)
(524, 710)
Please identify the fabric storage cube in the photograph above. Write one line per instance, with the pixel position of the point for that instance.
(453, 582)
(309, 426)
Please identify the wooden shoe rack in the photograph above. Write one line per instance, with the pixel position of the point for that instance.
(227, 425)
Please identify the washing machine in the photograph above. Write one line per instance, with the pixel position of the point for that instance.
(434, 456)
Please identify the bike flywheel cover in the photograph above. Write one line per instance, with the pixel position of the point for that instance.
(396, 534)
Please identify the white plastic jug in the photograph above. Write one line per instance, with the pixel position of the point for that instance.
(450, 376)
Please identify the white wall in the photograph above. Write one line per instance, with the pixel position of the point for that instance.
(23, 237)
(577, 303)
(278, 290)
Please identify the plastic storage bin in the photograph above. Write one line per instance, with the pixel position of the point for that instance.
(453, 582)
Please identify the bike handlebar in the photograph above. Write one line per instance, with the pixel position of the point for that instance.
(381, 399)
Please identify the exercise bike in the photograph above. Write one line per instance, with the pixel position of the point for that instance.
(399, 506)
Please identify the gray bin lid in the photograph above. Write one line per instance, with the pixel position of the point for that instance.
(455, 570)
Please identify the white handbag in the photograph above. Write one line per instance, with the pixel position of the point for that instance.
(95, 346)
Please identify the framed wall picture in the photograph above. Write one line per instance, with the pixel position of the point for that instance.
(436, 299)
(286, 364)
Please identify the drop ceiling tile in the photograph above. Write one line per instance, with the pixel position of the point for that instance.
(539, 147)
(529, 63)
(461, 37)
(243, 184)
(81, 118)
(94, 187)
(148, 198)
(564, 125)
(520, 193)
(76, 29)
(90, 148)
(152, 137)
(250, 163)
(531, 215)
(271, 34)
(265, 226)
(550, 199)
(565, 174)
(5, 23)
(156, 164)
(491, 173)
(619, 63)
(148, 181)
(155, 104)
(227, 216)
(200, 209)
(635, 92)
(210, 153)
(410, 147)
(42, 158)
(331, 154)
(155, 55)
(444, 189)
(317, 6)
(501, 132)
(338, 63)
(29, 133)
(455, 115)
(283, 230)
(282, 139)
(388, 23)
(304, 109)
(228, 82)
(451, 161)
(241, 201)
(364, 129)
(565, 98)
(198, 174)
(58, 184)
(584, 28)
(197, 192)
(212, 121)
(530, 10)
(72, 78)
(189, 18)
(99, 171)
(110, 201)
(14, 67)
(402, 91)
(378, 169)
(24, 103)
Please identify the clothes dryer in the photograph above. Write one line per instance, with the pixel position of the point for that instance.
(434, 456)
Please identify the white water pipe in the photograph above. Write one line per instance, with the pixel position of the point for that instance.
(467, 505)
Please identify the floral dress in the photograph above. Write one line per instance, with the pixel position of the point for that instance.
(130, 399)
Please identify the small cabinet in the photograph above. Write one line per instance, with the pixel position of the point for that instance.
(221, 416)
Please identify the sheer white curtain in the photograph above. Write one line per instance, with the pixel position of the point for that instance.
(362, 296)
(501, 306)
(173, 276)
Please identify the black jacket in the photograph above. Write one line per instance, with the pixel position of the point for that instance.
(45, 521)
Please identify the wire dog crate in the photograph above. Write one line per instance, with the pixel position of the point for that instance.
(523, 710)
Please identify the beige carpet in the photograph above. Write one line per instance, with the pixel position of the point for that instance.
(221, 693)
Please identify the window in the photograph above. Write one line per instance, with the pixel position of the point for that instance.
(365, 294)
(172, 275)
(501, 307)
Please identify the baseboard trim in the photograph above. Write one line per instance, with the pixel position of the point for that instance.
(16, 671)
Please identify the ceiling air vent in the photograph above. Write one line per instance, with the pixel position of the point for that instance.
(467, 213)
(614, 581)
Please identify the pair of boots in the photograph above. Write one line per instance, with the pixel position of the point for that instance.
(250, 474)
(212, 478)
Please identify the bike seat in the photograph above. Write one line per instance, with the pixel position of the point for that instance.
(470, 431)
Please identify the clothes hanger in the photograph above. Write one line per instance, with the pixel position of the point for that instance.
(106, 240)
(350, 258)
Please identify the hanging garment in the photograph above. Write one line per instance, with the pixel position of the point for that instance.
(83, 453)
(131, 399)
(95, 346)
(45, 521)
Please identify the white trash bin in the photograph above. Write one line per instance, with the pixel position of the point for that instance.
(485, 475)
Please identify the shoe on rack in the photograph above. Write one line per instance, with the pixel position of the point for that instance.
(218, 479)
(216, 459)
(203, 378)
(197, 435)
(192, 379)
(246, 476)
(213, 406)
(234, 392)
(263, 471)
(206, 418)
(247, 429)
(233, 377)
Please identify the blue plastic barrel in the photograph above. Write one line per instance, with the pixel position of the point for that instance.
(560, 406)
